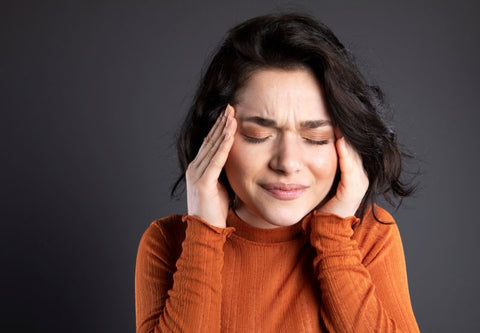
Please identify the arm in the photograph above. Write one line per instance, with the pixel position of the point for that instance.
(188, 300)
(369, 296)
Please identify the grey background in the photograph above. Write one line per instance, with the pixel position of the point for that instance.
(93, 92)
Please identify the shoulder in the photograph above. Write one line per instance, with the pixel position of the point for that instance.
(163, 238)
(377, 235)
(164, 228)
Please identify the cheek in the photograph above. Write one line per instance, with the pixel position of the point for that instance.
(245, 157)
(231, 165)
(325, 164)
(239, 163)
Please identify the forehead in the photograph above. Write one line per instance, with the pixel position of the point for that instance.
(285, 95)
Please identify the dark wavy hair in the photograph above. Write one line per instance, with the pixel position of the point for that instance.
(292, 41)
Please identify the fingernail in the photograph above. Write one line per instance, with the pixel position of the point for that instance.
(227, 110)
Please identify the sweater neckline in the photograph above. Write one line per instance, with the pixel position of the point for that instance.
(274, 235)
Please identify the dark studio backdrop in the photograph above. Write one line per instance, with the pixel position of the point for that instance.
(92, 93)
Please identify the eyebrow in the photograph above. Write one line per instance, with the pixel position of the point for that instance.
(309, 124)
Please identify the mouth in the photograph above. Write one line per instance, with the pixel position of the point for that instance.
(283, 191)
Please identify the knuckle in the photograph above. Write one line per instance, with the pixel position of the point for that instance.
(210, 154)
(189, 172)
(209, 138)
(190, 167)
(217, 163)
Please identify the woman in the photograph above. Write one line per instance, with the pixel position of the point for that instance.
(283, 152)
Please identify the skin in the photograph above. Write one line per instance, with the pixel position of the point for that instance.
(280, 153)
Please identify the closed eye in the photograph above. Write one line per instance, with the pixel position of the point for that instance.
(260, 140)
(254, 140)
(316, 142)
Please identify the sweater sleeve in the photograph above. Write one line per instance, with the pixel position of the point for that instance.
(185, 299)
(361, 293)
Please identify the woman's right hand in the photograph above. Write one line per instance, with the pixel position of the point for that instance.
(206, 197)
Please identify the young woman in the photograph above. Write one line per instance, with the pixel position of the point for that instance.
(283, 153)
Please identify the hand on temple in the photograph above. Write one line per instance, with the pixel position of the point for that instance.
(206, 196)
(353, 182)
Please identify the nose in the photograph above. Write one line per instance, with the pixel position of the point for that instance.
(287, 155)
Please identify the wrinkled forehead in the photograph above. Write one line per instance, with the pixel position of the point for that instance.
(287, 97)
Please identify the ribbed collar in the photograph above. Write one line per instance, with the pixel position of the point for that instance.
(276, 235)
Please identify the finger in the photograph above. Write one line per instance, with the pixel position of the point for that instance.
(214, 168)
(193, 173)
(212, 136)
(209, 155)
(346, 156)
(350, 162)
(212, 143)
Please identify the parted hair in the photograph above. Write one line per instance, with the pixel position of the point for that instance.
(293, 41)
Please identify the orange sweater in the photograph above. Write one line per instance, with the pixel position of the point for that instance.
(323, 274)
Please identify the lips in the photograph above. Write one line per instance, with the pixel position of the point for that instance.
(284, 191)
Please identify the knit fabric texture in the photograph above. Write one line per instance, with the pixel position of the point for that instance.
(322, 274)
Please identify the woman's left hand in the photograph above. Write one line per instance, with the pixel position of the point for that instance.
(353, 182)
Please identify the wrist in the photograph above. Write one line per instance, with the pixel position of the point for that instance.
(337, 208)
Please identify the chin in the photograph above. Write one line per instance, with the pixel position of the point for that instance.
(284, 216)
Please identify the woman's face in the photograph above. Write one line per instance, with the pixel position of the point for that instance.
(283, 161)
